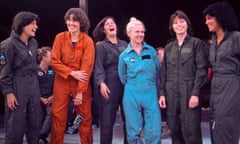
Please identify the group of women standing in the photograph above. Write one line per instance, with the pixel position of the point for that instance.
(182, 75)
(127, 76)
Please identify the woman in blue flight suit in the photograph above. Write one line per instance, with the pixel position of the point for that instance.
(137, 68)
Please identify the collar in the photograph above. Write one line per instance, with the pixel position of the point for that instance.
(129, 48)
(108, 41)
(226, 35)
(184, 41)
(16, 36)
(67, 36)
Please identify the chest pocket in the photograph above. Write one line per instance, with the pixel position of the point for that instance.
(186, 55)
(133, 65)
(147, 62)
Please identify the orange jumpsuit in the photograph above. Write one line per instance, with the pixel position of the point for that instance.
(66, 58)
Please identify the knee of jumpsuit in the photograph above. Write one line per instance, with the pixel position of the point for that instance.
(14, 127)
(134, 120)
(33, 125)
(227, 131)
(191, 125)
(59, 120)
(18, 120)
(85, 127)
(152, 126)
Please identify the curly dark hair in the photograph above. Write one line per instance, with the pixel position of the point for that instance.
(224, 14)
(182, 15)
(98, 32)
(22, 19)
(80, 16)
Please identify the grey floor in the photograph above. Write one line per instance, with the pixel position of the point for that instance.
(117, 134)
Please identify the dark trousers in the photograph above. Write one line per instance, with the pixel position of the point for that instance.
(107, 118)
(95, 105)
(46, 120)
(25, 119)
(108, 109)
(185, 129)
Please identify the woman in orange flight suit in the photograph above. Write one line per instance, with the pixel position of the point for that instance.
(72, 60)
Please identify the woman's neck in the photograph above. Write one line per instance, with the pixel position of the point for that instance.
(180, 38)
(137, 47)
(220, 36)
(24, 38)
(75, 36)
(112, 39)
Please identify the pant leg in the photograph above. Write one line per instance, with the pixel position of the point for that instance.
(47, 123)
(95, 105)
(14, 125)
(60, 104)
(108, 112)
(225, 125)
(191, 125)
(25, 118)
(33, 127)
(124, 124)
(152, 118)
(225, 110)
(226, 132)
(85, 127)
(133, 113)
(174, 123)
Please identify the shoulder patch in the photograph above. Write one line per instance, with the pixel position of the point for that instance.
(2, 59)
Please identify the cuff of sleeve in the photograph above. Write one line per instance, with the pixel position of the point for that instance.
(81, 90)
(7, 91)
(162, 93)
(195, 92)
(69, 71)
(99, 82)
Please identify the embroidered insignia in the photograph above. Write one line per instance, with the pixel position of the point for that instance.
(40, 73)
(78, 47)
(2, 59)
(50, 72)
(132, 60)
(186, 50)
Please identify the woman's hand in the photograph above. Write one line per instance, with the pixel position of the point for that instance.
(12, 102)
(78, 99)
(104, 90)
(79, 75)
(194, 101)
(162, 102)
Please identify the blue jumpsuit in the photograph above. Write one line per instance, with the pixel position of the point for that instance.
(140, 101)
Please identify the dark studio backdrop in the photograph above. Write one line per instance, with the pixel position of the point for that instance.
(154, 13)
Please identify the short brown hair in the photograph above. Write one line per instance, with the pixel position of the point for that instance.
(182, 15)
(80, 16)
(43, 52)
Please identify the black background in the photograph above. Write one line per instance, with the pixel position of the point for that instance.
(154, 13)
